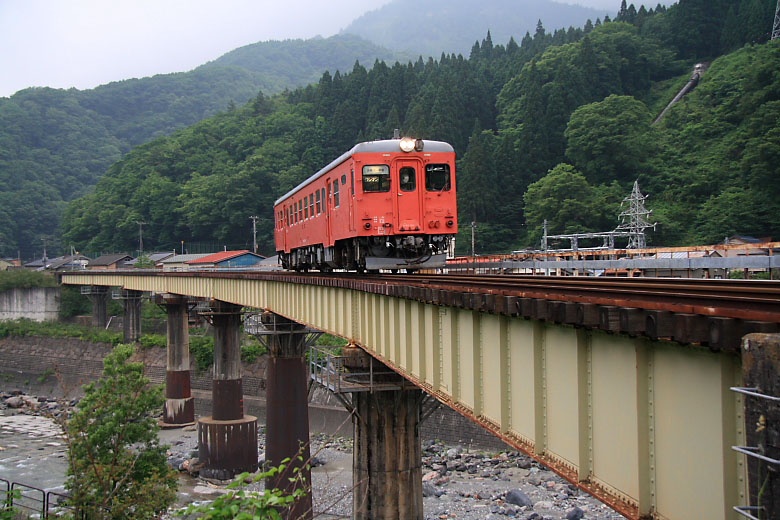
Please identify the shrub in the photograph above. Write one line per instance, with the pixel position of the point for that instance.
(23, 279)
(116, 467)
(153, 340)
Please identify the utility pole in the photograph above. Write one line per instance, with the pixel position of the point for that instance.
(140, 237)
(44, 250)
(254, 233)
(473, 227)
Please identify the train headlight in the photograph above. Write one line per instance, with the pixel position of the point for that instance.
(407, 144)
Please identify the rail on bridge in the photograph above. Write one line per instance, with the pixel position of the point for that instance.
(623, 390)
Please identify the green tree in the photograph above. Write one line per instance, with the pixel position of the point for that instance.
(116, 466)
(608, 139)
(566, 200)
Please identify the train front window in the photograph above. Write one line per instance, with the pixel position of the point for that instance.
(376, 178)
(407, 178)
(437, 177)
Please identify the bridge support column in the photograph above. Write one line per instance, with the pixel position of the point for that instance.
(131, 323)
(98, 295)
(760, 369)
(387, 464)
(179, 404)
(387, 459)
(227, 440)
(287, 409)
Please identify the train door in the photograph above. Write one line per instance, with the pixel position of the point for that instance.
(328, 202)
(407, 176)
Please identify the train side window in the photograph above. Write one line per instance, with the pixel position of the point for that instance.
(437, 177)
(352, 181)
(407, 178)
(324, 200)
(287, 216)
(319, 207)
(343, 179)
(311, 205)
(300, 211)
(376, 178)
(306, 207)
(336, 193)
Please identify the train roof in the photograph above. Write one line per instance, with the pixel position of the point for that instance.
(386, 146)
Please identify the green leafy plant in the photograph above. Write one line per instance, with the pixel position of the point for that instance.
(116, 467)
(241, 503)
(148, 341)
(202, 350)
(26, 327)
(25, 280)
(251, 351)
(7, 509)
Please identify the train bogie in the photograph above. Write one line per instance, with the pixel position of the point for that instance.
(382, 205)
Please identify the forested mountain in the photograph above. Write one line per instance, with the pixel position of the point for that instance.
(557, 127)
(55, 144)
(435, 26)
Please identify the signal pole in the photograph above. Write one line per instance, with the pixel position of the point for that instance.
(254, 233)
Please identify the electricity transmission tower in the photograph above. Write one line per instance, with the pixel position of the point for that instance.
(634, 219)
(776, 26)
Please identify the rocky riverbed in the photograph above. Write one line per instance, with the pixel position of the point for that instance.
(457, 483)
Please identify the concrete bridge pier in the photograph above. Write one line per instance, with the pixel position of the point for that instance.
(179, 408)
(387, 459)
(227, 440)
(98, 296)
(760, 369)
(287, 409)
(131, 324)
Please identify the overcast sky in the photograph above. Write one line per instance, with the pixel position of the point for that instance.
(86, 43)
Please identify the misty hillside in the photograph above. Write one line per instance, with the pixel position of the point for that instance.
(278, 65)
(55, 143)
(435, 26)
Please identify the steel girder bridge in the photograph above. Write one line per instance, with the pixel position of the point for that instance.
(623, 387)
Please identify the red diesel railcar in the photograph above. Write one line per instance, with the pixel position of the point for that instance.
(382, 205)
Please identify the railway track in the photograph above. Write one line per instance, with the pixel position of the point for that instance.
(753, 300)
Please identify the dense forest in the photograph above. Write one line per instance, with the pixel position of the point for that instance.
(55, 144)
(556, 127)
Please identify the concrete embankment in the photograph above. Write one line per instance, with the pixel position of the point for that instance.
(35, 303)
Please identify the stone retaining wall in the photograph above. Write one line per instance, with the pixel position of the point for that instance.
(33, 361)
(36, 303)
